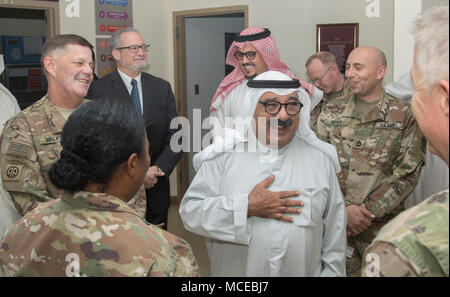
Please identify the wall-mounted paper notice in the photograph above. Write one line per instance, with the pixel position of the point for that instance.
(32, 46)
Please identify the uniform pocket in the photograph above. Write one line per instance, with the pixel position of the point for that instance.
(387, 148)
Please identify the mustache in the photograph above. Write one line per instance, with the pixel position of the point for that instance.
(281, 123)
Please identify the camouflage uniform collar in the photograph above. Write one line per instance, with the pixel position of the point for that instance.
(378, 113)
(334, 95)
(56, 120)
(98, 201)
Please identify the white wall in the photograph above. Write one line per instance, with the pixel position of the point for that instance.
(405, 12)
(205, 63)
(83, 25)
(430, 3)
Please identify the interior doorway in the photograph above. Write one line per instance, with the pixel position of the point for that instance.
(200, 38)
(24, 27)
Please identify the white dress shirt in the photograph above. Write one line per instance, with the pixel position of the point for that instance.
(127, 81)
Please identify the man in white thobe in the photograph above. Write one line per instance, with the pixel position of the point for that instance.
(266, 196)
(252, 52)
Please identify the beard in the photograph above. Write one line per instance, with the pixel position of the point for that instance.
(139, 65)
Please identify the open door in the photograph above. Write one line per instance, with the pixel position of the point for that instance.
(180, 64)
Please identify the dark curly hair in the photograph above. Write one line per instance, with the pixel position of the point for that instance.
(97, 138)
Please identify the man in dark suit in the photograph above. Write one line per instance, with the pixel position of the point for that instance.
(153, 97)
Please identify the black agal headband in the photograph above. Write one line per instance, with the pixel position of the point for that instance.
(274, 84)
(252, 37)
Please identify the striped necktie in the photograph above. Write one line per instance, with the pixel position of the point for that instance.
(135, 96)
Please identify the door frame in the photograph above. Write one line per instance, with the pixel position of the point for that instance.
(180, 88)
(51, 13)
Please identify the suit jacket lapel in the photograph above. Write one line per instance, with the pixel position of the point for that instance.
(119, 86)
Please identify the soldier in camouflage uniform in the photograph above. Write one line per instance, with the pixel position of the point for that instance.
(380, 147)
(30, 141)
(91, 231)
(92, 234)
(416, 242)
(324, 73)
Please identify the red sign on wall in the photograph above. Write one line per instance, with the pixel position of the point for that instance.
(34, 79)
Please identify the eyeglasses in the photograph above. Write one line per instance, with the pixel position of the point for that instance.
(320, 78)
(240, 56)
(135, 48)
(273, 107)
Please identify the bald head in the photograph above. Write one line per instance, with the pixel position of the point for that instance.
(365, 70)
(372, 53)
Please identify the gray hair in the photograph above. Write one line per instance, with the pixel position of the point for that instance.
(326, 58)
(116, 41)
(430, 31)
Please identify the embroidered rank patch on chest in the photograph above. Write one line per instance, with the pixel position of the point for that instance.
(12, 171)
(52, 139)
(383, 125)
(18, 149)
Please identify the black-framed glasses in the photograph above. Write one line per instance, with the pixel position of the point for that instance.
(320, 78)
(135, 48)
(251, 55)
(274, 107)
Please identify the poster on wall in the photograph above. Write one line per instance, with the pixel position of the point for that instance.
(338, 39)
(113, 15)
(104, 59)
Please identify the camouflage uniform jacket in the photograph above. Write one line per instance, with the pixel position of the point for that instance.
(92, 234)
(380, 153)
(325, 100)
(30, 144)
(415, 243)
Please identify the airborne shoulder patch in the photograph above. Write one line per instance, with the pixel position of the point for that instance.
(12, 171)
